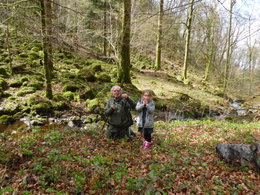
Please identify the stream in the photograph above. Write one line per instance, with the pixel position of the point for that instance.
(26, 124)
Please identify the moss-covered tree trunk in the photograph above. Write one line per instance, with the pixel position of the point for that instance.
(47, 45)
(7, 41)
(210, 56)
(105, 29)
(124, 68)
(187, 41)
(228, 56)
(159, 37)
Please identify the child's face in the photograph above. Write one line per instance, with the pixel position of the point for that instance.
(147, 97)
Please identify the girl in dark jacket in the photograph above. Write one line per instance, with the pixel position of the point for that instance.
(145, 119)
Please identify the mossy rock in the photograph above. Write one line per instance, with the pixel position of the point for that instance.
(19, 68)
(35, 63)
(6, 119)
(36, 85)
(87, 75)
(92, 118)
(24, 78)
(15, 83)
(36, 49)
(104, 77)
(42, 108)
(60, 106)
(25, 90)
(3, 84)
(58, 97)
(34, 55)
(69, 61)
(69, 95)
(93, 105)
(38, 45)
(88, 94)
(96, 67)
(70, 87)
(3, 72)
(31, 101)
(161, 105)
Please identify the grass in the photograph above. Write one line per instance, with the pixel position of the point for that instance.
(74, 161)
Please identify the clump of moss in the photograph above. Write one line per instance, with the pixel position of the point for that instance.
(3, 84)
(60, 106)
(34, 55)
(25, 90)
(69, 95)
(3, 72)
(58, 97)
(36, 85)
(70, 87)
(89, 93)
(24, 78)
(15, 83)
(87, 75)
(42, 108)
(6, 119)
(23, 55)
(104, 77)
(94, 105)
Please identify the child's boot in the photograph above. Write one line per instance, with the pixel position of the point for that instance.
(148, 145)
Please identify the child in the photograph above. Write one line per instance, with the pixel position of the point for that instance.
(145, 120)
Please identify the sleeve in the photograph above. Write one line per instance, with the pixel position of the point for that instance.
(139, 106)
(151, 107)
(108, 110)
(131, 102)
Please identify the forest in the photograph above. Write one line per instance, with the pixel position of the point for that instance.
(59, 61)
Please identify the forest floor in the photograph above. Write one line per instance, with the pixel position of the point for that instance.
(182, 160)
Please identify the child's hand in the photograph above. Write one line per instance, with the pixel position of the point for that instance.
(113, 106)
(145, 102)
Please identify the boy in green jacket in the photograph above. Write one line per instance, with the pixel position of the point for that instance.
(118, 110)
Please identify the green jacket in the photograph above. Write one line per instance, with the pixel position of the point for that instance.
(121, 116)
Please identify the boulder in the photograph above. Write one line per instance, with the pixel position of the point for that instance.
(244, 154)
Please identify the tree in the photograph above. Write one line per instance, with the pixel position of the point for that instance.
(124, 68)
(7, 40)
(46, 10)
(187, 40)
(228, 54)
(159, 37)
(105, 28)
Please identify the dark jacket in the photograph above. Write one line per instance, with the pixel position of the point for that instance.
(121, 116)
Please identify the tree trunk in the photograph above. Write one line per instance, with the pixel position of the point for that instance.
(228, 48)
(47, 47)
(187, 44)
(105, 29)
(7, 36)
(124, 69)
(159, 37)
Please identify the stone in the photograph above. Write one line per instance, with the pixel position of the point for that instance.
(243, 153)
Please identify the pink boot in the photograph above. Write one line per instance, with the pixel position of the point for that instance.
(147, 145)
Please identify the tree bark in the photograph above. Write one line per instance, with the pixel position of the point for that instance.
(124, 68)
(227, 64)
(7, 40)
(159, 37)
(187, 42)
(105, 29)
(47, 46)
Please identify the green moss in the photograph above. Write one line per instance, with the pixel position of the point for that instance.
(92, 105)
(6, 119)
(104, 77)
(3, 72)
(24, 78)
(61, 106)
(69, 95)
(36, 85)
(36, 49)
(70, 87)
(87, 75)
(96, 67)
(3, 84)
(31, 101)
(42, 108)
(88, 94)
(58, 97)
(34, 55)
(25, 90)
(15, 83)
